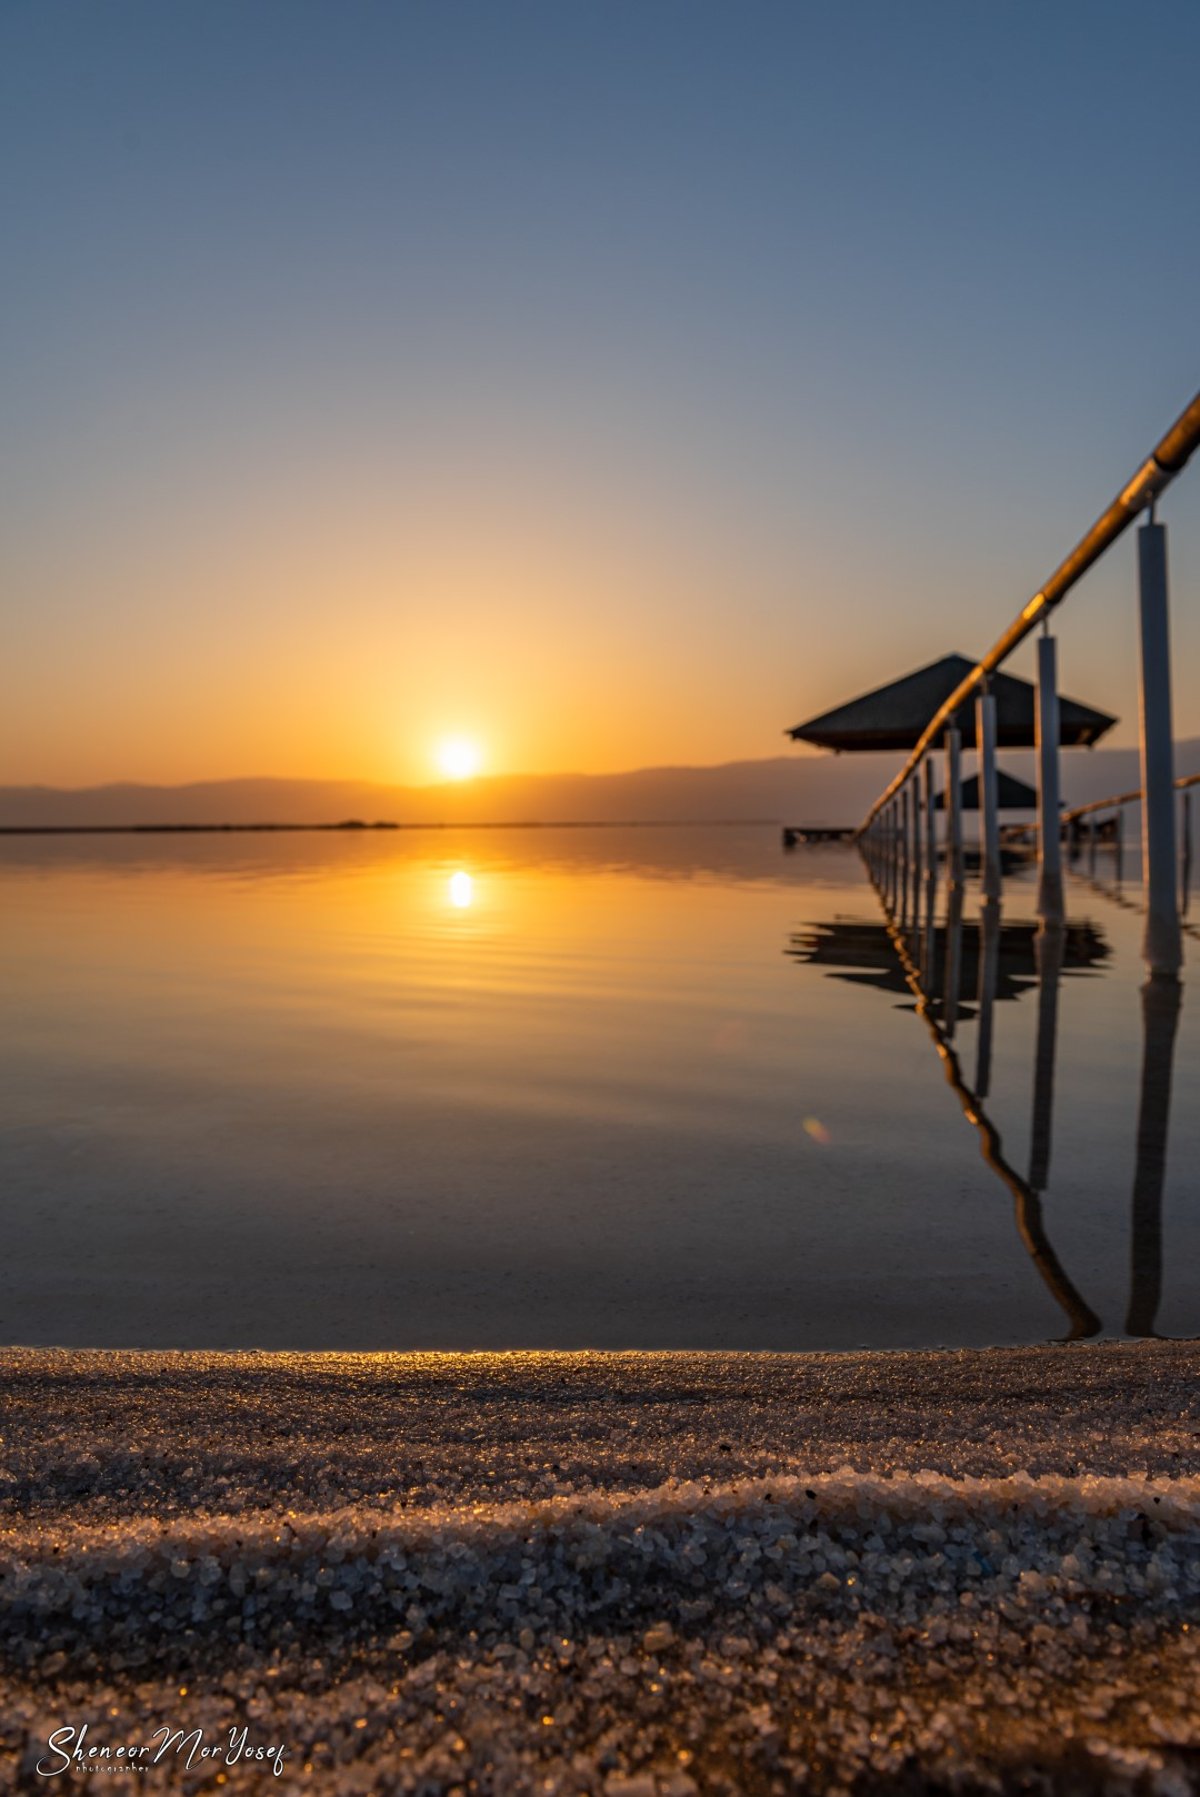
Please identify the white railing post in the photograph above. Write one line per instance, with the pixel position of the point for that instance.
(1162, 947)
(1186, 873)
(1050, 884)
(985, 738)
(954, 844)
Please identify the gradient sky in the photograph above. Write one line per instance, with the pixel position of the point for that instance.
(618, 383)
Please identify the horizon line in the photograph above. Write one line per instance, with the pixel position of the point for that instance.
(354, 825)
(658, 767)
(808, 753)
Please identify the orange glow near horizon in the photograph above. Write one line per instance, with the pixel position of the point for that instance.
(362, 647)
(526, 660)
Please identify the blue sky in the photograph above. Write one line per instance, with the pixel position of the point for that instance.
(620, 383)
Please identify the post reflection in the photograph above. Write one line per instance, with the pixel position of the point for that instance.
(1162, 1000)
(1049, 948)
(953, 984)
(989, 961)
(929, 971)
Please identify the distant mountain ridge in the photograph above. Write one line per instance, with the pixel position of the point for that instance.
(794, 789)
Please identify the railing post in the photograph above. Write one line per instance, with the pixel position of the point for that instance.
(929, 827)
(914, 847)
(930, 818)
(886, 850)
(915, 839)
(1162, 948)
(985, 736)
(904, 853)
(954, 846)
(1050, 883)
(1186, 874)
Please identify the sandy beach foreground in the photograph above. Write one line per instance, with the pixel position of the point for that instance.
(636, 1575)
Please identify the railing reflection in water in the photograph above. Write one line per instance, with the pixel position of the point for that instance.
(1162, 1001)
(995, 963)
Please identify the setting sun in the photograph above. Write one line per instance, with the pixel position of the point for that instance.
(458, 757)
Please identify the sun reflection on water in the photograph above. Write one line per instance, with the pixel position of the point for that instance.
(461, 890)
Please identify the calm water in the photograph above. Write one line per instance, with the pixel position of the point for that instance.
(568, 1088)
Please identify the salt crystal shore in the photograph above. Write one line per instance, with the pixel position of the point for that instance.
(627, 1575)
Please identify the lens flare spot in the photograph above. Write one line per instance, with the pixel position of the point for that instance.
(817, 1130)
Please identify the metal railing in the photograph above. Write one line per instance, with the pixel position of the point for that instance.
(1122, 798)
(902, 817)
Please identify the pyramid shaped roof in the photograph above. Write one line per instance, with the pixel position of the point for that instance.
(893, 716)
(1011, 794)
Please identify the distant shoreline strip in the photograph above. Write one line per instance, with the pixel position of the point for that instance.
(357, 824)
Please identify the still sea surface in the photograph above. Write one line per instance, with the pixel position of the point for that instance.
(611, 1088)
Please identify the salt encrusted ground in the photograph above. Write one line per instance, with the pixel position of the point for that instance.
(618, 1574)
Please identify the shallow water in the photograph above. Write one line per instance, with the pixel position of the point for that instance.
(551, 1087)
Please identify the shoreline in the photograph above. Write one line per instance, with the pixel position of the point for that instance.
(967, 1569)
(354, 825)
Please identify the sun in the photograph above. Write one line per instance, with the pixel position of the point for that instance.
(458, 757)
